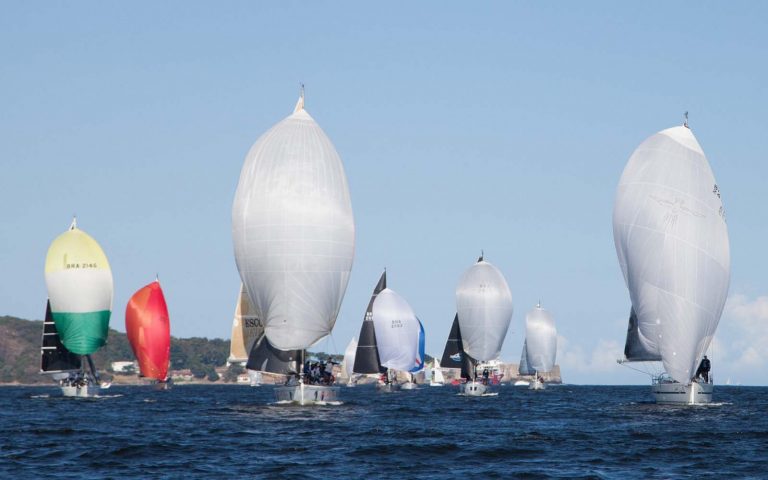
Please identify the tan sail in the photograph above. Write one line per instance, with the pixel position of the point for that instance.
(246, 328)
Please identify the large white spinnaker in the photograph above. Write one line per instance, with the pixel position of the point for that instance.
(484, 306)
(540, 339)
(293, 231)
(672, 243)
(397, 332)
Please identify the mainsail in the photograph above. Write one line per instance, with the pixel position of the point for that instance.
(80, 290)
(293, 231)
(453, 347)
(540, 340)
(637, 347)
(149, 331)
(349, 357)
(367, 356)
(484, 306)
(55, 358)
(266, 358)
(246, 328)
(437, 372)
(525, 368)
(672, 243)
(454, 355)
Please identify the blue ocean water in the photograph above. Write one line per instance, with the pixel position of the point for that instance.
(236, 432)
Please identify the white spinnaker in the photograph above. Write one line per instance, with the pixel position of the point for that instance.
(672, 242)
(397, 331)
(484, 305)
(349, 357)
(541, 339)
(293, 231)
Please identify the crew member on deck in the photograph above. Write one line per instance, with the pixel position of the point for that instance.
(703, 370)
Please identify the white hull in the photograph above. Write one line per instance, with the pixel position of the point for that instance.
(436, 384)
(409, 386)
(679, 394)
(536, 385)
(474, 389)
(85, 391)
(387, 387)
(302, 394)
(522, 383)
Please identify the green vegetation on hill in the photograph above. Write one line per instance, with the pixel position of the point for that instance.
(20, 352)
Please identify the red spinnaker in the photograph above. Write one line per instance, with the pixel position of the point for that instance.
(149, 331)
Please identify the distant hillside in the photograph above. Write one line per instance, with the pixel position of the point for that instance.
(20, 352)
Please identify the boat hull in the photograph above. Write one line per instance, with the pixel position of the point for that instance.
(522, 383)
(679, 394)
(474, 389)
(307, 394)
(436, 384)
(388, 387)
(409, 386)
(536, 385)
(84, 391)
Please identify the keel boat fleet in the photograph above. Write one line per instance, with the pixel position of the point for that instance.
(293, 233)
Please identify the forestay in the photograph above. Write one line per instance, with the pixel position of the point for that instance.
(293, 231)
(672, 243)
(484, 305)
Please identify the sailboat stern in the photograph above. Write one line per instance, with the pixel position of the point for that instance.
(673, 393)
(307, 395)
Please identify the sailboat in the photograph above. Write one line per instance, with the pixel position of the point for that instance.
(436, 379)
(349, 362)
(484, 309)
(294, 240)
(454, 355)
(391, 339)
(246, 328)
(367, 360)
(524, 368)
(540, 346)
(148, 327)
(80, 290)
(671, 240)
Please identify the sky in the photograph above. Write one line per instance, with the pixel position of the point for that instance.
(501, 126)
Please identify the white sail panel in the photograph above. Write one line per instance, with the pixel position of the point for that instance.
(484, 305)
(540, 339)
(672, 243)
(349, 357)
(246, 328)
(293, 231)
(397, 331)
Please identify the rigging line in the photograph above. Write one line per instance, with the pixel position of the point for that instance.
(624, 364)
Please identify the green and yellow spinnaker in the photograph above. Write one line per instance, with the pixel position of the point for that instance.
(80, 289)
